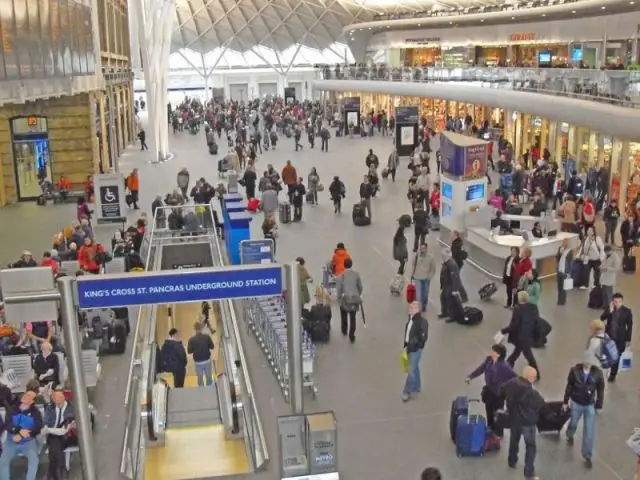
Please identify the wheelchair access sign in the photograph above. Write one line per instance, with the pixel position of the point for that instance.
(110, 201)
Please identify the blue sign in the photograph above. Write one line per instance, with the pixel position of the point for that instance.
(452, 161)
(475, 192)
(108, 291)
(447, 191)
(256, 251)
(407, 115)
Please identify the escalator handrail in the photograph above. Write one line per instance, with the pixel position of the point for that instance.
(235, 417)
(151, 381)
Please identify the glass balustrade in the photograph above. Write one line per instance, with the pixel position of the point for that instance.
(618, 87)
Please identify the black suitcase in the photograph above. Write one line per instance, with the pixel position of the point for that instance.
(41, 200)
(596, 298)
(285, 213)
(470, 316)
(487, 291)
(359, 216)
(541, 332)
(117, 332)
(629, 264)
(318, 331)
(213, 149)
(553, 417)
(129, 199)
(309, 197)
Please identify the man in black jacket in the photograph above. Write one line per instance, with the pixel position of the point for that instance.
(420, 225)
(521, 330)
(618, 326)
(585, 391)
(416, 332)
(200, 347)
(22, 424)
(459, 255)
(366, 192)
(523, 404)
(449, 287)
(174, 358)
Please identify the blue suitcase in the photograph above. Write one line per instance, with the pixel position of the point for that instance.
(459, 408)
(578, 273)
(471, 435)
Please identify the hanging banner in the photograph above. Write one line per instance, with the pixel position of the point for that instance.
(110, 206)
(407, 115)
(406, 130)
(256, 251)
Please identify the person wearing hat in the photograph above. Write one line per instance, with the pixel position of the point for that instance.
(584, 394)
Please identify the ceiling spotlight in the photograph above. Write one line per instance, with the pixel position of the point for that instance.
(369, 28)
(573, 11)
(421, 24)
(513, 18)
(482, 20)
(450, 23)
(603, 7)
(544, 14)
(632, 3)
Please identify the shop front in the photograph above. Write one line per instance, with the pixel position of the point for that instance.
(421, 56)
(491, 56)
(44, 140)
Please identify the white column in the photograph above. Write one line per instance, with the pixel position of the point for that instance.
(207, 94)
(157, 18)
(134, 40)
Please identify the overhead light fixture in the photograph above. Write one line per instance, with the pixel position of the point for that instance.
(369, 28)
(603, 7)
(481, 20)
(544, 14)
(573, 11)
(450, 23)
(632, 3)
(513, 18)
(419, 24)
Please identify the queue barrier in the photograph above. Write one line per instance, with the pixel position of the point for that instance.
(267, 319)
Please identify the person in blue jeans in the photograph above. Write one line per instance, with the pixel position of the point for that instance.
(584, 394)
(23, 424)
(424, 268)
(200, 347)
(524, 403)
(416, 332)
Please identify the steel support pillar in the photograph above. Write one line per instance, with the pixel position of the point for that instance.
(294, 336)
(155, 19)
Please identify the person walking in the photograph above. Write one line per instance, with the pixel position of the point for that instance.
(424, 268)
(611, 266)
(400, 250)
(298, 193)
(584, 394)
(142, 136)
(349, 293)
(416, 333)
(496, 372)
(524, 403)
(618, 320)
(564, 260)
(392, 165)
(366, 192)
(313, 181)
(174, 358)
(509, 276)
(290, 179)
(200, 347)
(449, 287)
(133, 185)
(459, 255)
(420, 226)
(521, 330)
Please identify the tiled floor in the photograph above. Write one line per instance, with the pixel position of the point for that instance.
(379, 437)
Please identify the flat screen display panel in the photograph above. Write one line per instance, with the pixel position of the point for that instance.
(475, 192)
(576, 55)
(447, 191)
(544, 58)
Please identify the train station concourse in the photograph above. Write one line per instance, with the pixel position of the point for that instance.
(277, 239)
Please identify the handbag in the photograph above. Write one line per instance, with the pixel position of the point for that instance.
(568, 284)
(626, 360)
(499, 338)
(320, 188)
(404, 361)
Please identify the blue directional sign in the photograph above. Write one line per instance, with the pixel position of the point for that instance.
(256, 251)
(179, 286)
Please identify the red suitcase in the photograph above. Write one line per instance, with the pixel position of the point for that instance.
(253, 205)
(411, 293)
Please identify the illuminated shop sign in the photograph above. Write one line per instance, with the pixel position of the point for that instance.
(522, 37)
(423, 40)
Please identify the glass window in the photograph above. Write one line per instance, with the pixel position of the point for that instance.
(35, 39)
(46, 38)
(65, 36)
(56, 38)
(32, 164)
(9, 40)
(22, 38)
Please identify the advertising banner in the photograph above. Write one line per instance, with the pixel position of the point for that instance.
(178, 286)
(452, 162)
(289, 94)
(475, 161)
(464, 162)
(351, 104)
(407, 115)
(110, 206)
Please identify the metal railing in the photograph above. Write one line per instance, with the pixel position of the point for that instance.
(619, 87)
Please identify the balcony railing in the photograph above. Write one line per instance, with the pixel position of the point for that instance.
(618, 87)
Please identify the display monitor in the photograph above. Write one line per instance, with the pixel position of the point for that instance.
(447, 191)
(475, 192)
(576, 55)
(544, 58)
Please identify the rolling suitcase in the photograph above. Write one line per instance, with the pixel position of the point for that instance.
(434, 223)
(552, 417)
(459, 408)
(410, 293)
(470, 316)
(541, 331)
(471, 435)
(629, 264)
(117, 332)
(578, 273)
(253, 205)
(596, 298)
(213, 149)
(285, 212)
(397, 285)
(487, 291)
(359, 216)
(309, 197)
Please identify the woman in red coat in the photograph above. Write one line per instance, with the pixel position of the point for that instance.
(524, 265)
(87, 256)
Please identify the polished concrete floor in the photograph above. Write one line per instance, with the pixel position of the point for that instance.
(379, 436)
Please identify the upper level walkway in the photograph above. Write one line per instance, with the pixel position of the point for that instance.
(616, 87)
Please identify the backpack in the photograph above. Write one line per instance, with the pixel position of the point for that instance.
(609, 354)
(97, 330)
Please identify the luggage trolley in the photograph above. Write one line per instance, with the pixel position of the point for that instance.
(267, 319)
(328, 278)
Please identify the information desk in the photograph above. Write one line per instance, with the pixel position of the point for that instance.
(490, 251)
(527, 222)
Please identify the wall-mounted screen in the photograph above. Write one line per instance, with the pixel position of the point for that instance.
(407, 135)
(475, 192)
(447, 191)
(576, 55)
(446, 210)
(352, 118)
(544, 58)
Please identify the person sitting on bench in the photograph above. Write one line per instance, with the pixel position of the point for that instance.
(59, 426)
